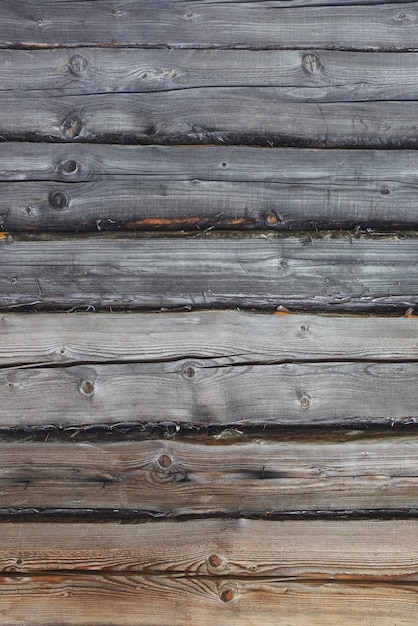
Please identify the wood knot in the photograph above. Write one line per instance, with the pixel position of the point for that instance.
(70, 167)
(311, 63)
(72, 126)
(87, 387)
(77, 64)
(305, 402)
(164, 461)
(189, 371)
(215, 562)
(227, 594)
(58, 199)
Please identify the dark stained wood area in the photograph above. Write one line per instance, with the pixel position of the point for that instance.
(208, 313)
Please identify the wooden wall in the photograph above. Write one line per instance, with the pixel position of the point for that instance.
(208, 288)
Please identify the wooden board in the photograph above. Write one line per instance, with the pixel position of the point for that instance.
(109, 187)
(236, 336)
(93, 599)
(172, 478)
(298, 272)
(243, 115)
(260, 24)
(356, 550)
(303, 74)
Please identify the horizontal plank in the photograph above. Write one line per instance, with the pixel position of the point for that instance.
(109, 187)
(238, 336)
(93, 600)
(338, 550)
(79, 162)
(255, 115)
(182, 24)
(317, 74)
(323, 272)
(210, 392)
(172, 478)
(195, 205)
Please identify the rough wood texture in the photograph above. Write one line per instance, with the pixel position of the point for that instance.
(245, 115)
(260, 24)
(317, 74)
(340, 550)
(94, 600)
(297, 272)
(108, 187)
(169, 478)
(211, 392)
(238, 337)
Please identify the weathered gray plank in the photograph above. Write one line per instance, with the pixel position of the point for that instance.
(54, 599)
(78, 162)
(239, 337)
(353, 550)
(317, 74)
(151, 187)
(216, 115)
(187, 24)
(169, 478)
(196, 205)
(329, 272)
(210, 392)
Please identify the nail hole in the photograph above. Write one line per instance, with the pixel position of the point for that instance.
(385, 192)
(40, 22)
(284, 263)
(223, 164)
(19, 561)
(13, 281)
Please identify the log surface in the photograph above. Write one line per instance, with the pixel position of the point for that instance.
(169, 478)
(330, 272)
(338, 550)
(362, 25)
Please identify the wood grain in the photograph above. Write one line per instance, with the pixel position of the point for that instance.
(255, 115)
(338, 550)
(261, 24)
(236, 336)
(109, 187)
(302, 74)
(298, 272)
(78, 162)
(136, 203)
(60, 600)
(168, 478)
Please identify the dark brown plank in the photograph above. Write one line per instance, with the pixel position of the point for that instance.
(125, 600)
(339, 550)
(363, 26)
(238, 336)
(302, 74)
(332, 272)
(169, 478)
(255, 115)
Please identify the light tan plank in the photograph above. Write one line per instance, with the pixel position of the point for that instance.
(63, 600)
(176, 478)
(240, 337)
(341, 550)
